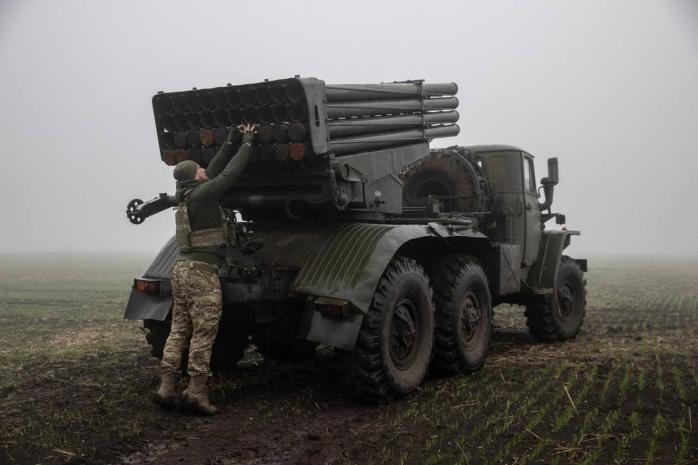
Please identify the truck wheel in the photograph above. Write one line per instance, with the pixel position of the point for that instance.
(228, 348)
(395, 342)
(463, 316)
(559, 316)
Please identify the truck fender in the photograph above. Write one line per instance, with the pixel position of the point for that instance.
(142, 306)
(346, 267)
(543, 274)
(155, 306)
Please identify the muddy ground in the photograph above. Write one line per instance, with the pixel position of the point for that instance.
(75, 386)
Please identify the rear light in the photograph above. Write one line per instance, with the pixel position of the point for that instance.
(333, 308)
(148, 286)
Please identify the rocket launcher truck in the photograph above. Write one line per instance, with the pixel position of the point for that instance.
(354, 233)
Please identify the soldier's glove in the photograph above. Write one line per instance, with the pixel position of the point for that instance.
(247, 138)
(248, 131)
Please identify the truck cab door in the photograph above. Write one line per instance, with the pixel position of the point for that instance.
(532, 227)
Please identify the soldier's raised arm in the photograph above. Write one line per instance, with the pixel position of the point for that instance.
(223, 155)
(215, 188)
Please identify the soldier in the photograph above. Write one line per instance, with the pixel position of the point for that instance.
(202, 232)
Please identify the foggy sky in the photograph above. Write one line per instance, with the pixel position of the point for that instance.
(610, 88)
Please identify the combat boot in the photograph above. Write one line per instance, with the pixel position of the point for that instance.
(166, 395)
(196, 396)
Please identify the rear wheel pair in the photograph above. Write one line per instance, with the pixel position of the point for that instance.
(407, 323)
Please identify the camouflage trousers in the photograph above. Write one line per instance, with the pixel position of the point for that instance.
(195, 316)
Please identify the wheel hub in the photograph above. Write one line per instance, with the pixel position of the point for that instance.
(404, 333)
(470, 317)
(565, 300)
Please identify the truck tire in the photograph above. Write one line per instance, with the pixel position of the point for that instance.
(228, 348)
(463, 316)
(559, 316)
(395, 342)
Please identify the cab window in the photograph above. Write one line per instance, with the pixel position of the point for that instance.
(529, 177)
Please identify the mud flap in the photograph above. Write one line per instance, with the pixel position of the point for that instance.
(336, 332)
(543, 273)
(142, 306)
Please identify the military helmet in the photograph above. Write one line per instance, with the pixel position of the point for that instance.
(185, 170)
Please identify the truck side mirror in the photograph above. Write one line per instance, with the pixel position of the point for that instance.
(552, 178)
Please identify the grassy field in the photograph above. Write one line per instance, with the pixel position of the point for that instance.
(75, 380)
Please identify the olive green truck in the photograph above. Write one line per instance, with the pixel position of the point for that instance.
(353, 232)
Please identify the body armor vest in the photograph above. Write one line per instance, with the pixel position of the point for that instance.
(188, 239)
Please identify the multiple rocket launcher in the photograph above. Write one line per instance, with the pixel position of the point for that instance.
(301, 118)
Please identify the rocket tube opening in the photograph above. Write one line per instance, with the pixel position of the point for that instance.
(232, 97)
(181, 123)
(279, 133)
(220, 117)
(192, 101)
(297, 151)
(178, 103)
(266, 153)
(207, 137)
(194, 138)
(279, 113)
(169, 157)
(278, 93)
(219, 101)
(163, 104)
(247, 96)
(264, 134)
(281, 152)
(297, 132)
(194, 120)
(264, 115)
(297, 112)
(208, 120)
(249, 116)
(208, 154)
(234, 117)
(180, 139)
(220, 135)
(262, 95)
(294, 91)
(168, 123)
(205, 100)
(167, 139)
